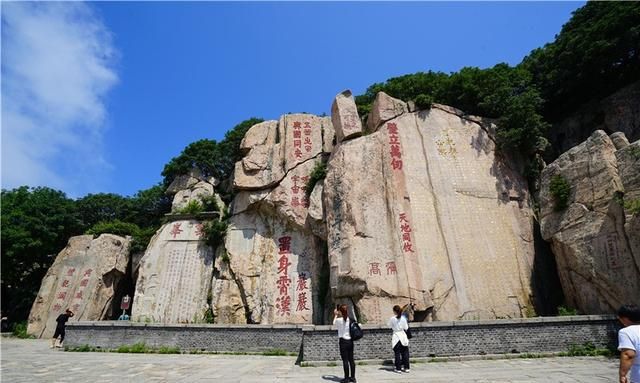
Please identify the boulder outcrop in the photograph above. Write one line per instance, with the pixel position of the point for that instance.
(174, 276)
(595, 241)
(83, 278)
(424, 210)
(269, 269)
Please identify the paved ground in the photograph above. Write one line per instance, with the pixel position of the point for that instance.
(32, 361)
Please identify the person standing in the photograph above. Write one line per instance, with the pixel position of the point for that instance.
(342, 322)
(399, 341)
(629, 343)
(60, 327)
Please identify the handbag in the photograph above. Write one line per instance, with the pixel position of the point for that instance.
(355, 332)
(408, 332)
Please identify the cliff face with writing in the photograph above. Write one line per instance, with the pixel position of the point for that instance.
(269, 270)
(423, 209)
(174, 274)
(596, 240)
(84, 278)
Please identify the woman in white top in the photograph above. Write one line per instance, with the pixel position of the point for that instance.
(342, 322)
(399, 340)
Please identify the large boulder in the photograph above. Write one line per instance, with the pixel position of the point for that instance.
(174, 276)
(84, 278)
(270, 266)
(344, 116)
(595, 241)
(425, 210)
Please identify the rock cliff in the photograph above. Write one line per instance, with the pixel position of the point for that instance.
(423, 209)
(270, 267)
(595, 241)
(174, 274)
(420, 208)
(83, 278)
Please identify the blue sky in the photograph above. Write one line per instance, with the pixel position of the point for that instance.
(98, 97)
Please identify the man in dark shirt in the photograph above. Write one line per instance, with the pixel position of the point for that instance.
(62, 322)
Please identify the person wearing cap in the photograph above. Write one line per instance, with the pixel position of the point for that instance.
(60, 327)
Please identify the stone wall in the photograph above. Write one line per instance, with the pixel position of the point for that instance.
(319, 343)
(187, 337)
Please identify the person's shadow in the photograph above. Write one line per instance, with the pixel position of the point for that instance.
(332, 378)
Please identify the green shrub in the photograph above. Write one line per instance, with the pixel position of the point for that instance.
(588, 349)
(423, 101)
(168, 350)
(20, 330)
(136, 348)
(116, 227)
(318, 173)
(215, 232)
(141, 239)
(210, 203)
(275, 352)
(560, 190)
(193, 207)
(566, 311)
(633, 206)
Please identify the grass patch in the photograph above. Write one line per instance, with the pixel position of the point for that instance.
(564, 311)
(20, 330)
(332, 364)
(318, 173)
(587, 349)
(168, 350)
(560, 190)
(275, 352)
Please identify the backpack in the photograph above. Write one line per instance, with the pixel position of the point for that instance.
(355, 332)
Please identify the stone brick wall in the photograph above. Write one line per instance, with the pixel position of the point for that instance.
(218, 338)
(531, 335)
(320, 343)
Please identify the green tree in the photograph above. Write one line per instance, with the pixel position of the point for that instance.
(503, 92)
(596, 52)
(102, 207)
(36, 224)
(148, 207)
(212, 158)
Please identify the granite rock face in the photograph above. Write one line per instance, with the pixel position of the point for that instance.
(84, 278)
(193, 187)
(595, 241)
(344, 116)
(618, 112)
(425, 210)
(269, 268)
(174, 276)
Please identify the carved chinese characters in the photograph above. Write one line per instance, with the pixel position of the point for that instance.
(416, 209)
(174, 275)
(595, 250)
(84, 278)
(395, 148)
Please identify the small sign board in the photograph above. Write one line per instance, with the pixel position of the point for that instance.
(126, 302)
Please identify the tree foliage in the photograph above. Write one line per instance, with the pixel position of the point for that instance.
(36, 224)
(212, 158)
(596, 52)
(502, 92)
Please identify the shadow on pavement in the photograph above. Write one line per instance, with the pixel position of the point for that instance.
(332, 378)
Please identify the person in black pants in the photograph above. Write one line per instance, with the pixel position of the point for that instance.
(342, 322)
(60, 327)
(399, 340)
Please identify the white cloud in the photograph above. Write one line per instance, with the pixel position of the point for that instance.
(57, 68)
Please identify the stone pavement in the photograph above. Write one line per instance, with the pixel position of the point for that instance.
(32, 361)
